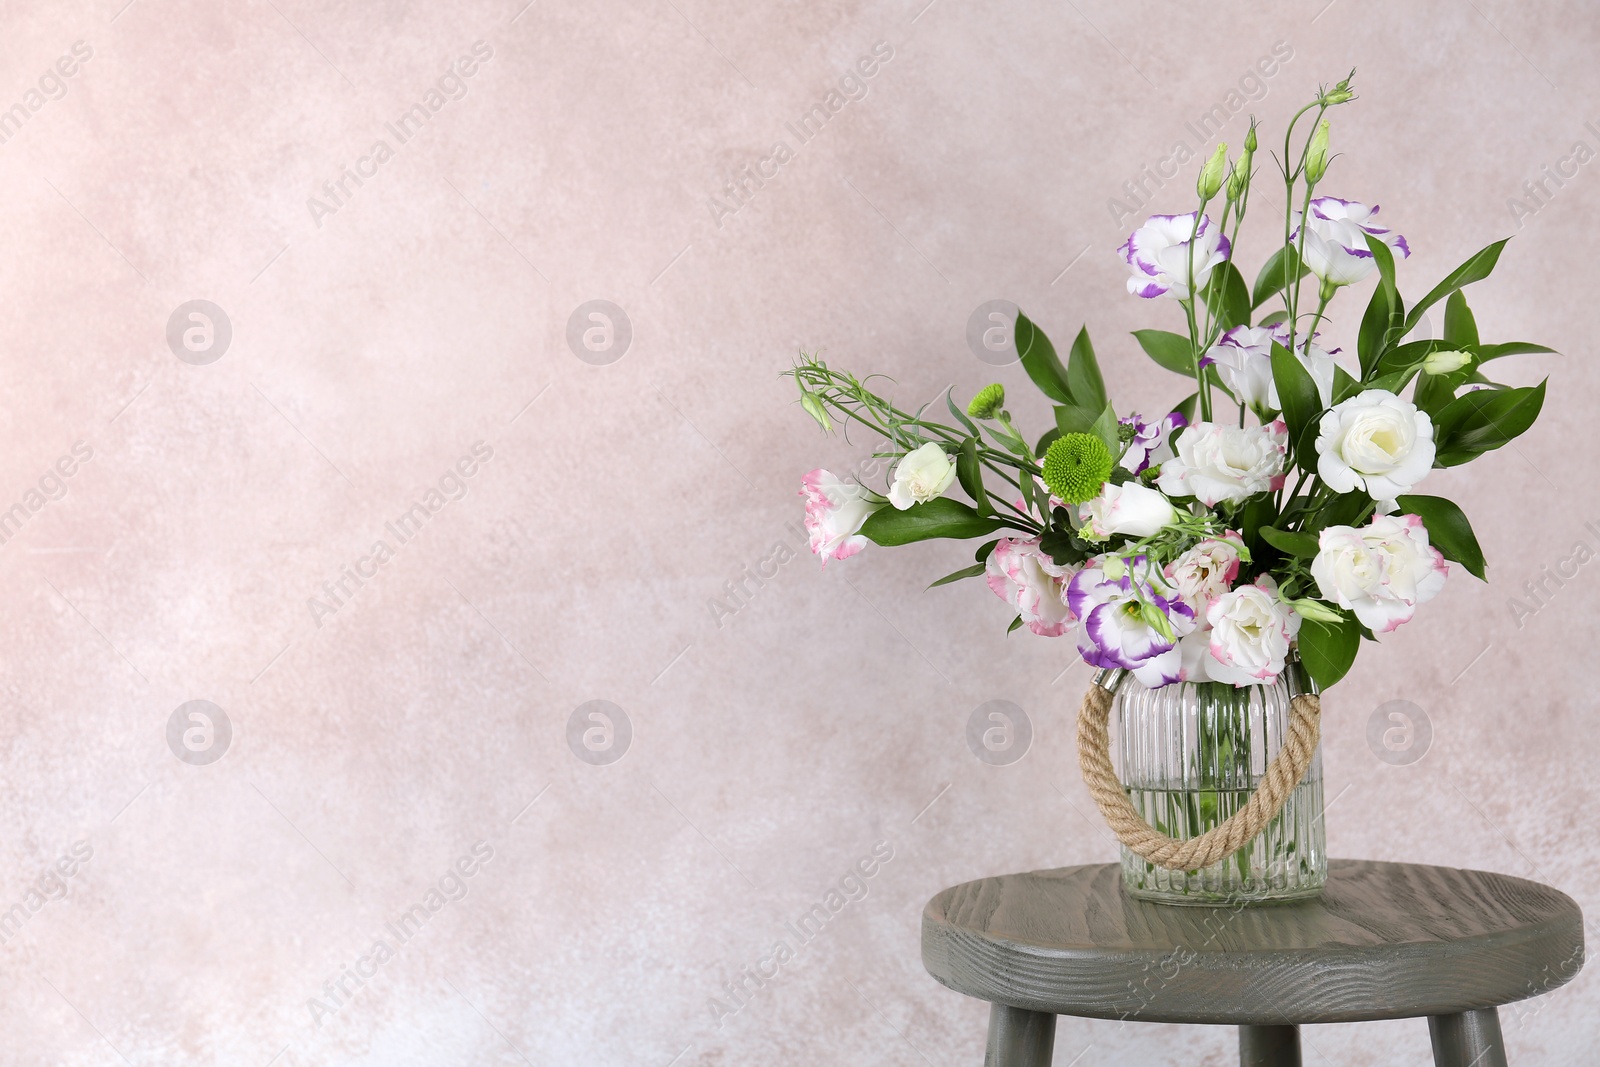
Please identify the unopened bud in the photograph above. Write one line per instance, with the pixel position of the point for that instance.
(1115, 568)
(1316, 611)
(1317, 153)
(1157, 620)
(813, 407)
(1445, 362)
(1210, 180)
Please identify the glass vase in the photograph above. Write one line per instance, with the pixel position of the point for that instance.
(1189, 756)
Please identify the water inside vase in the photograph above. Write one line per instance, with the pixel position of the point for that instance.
(1190, 756)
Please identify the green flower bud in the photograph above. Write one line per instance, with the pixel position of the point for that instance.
(1445, 362)
(1211, 174)
(1114, 567)
(1340, 94)
(1076, 466)
(1315, 610)
(813, 407)
(1157, 620)
(988, 401)
(1250, 138)
(1317, 153)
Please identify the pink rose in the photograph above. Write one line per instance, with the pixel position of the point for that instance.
(1031, 582)
(835, 512)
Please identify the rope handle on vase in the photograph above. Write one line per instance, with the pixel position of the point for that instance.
(1283, 775)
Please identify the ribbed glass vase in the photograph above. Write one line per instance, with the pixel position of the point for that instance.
(1190, 754)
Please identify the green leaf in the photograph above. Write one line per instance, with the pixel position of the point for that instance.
(1287, 541)
(1016, 622)
(1460, 328)
(1297, 392)
(985, 550)
(1483, 420)
(1328, 649)
(1448, 530)
(1342, 510)
(1509, 348)
(1074, 419)
(1039, 359)
(961, 416)
(1273, 277)
(1105, 427)
(1375, 333)
(1231, 296)
(1170, 350)
(1475, 269)
(1045, 441)
(1384, 258)
(1344, 384)
(970, 475)
(940, 517)
(955, 576)
(1084, 383)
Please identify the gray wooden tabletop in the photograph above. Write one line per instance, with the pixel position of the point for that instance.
(1385, 941)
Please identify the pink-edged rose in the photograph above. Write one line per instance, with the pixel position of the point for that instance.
(1031, 582)
(1207, 570)
(1217, 462)
(1251, 630)
(835, 511)
(1381, 572)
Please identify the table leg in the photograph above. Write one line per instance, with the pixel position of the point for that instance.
(1269, 1046)
(1019, 1038)
(1470, 1039)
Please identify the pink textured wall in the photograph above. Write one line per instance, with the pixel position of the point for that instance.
(405, 741)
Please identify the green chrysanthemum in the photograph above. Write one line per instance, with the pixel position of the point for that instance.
(1076, 466)
(988, 402)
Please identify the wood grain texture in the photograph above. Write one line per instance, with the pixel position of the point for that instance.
(1385, 941)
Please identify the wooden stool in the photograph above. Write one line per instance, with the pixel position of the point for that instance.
(1385, 941)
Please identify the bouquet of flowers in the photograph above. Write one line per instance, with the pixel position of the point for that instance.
(1275, 506)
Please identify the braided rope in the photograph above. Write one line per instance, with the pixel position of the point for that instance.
(1283, 775)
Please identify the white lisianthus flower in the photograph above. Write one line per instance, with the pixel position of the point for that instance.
(1381, 572)
(1250, 634)
(1159, 255)
(835, 510)
(1032, 583)
(1216, 462)
(1207, 570)
(1335, 249)
(1376, 442)
(921, 476)
(1243, 358)
(1130, 508)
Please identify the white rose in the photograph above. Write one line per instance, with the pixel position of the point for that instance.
(922, 475)
(1207, 570)
(1381, 572)
(1216, 462)
(1250, 634)
(1377, 442)
(1130, 508)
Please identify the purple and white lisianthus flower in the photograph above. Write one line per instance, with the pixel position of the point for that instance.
(1152, 441)
(1160, 251)
(1243, 358)
(1335, 246)
(1115, 621)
